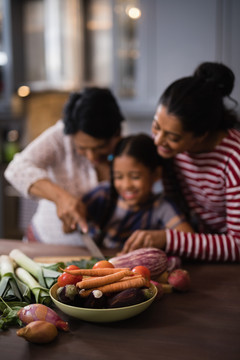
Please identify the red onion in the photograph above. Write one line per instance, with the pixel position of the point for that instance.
(35, 312)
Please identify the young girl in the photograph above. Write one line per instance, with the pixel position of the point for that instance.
(128, 203)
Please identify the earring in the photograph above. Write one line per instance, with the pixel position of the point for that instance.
(110, 157)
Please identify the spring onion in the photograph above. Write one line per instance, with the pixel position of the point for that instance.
(44, 275)
(40, 293)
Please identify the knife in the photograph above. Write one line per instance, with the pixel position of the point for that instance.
(91, 246)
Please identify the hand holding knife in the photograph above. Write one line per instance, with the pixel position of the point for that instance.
(91, 245)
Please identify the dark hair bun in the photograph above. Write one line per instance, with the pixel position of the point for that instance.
(218, 74)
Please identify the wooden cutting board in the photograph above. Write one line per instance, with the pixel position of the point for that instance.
(55, 259)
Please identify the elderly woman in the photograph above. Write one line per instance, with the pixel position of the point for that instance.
(66, 161)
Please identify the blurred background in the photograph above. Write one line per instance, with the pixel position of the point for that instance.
(49, 48)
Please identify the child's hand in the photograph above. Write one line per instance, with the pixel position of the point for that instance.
(145, 238)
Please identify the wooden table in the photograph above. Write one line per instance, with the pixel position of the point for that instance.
(203, 324)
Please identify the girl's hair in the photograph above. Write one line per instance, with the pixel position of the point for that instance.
(198, 100)
(141, 147)
(94, 111)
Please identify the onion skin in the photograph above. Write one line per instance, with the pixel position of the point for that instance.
(34, 312)
(40, 332)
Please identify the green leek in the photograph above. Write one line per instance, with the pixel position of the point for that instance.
(40, 293)
(11, 288)
(44, 274)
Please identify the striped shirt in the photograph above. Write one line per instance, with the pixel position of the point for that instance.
(211, 185)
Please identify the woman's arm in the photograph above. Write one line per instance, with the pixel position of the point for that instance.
(33, 162)
(169, 217)
(29, 174)
(181, 241)
(151, 238)
(70, 209)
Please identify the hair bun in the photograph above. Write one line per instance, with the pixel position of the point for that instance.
(218, 74)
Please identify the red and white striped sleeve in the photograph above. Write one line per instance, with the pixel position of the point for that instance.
(215, 247)
(210, 247)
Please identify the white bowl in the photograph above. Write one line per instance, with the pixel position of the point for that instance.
(102, 315)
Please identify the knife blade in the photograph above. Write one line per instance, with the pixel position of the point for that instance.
(92, 246)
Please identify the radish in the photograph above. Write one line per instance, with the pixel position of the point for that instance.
(179, 279)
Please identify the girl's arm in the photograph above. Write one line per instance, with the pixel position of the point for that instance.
(184, 226)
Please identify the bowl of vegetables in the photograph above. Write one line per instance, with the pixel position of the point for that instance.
(78, 310)
(103, 293)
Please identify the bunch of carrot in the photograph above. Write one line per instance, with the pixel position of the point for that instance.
(107, 280)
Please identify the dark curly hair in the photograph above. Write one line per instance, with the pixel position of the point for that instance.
(94, 111)
(198, 100)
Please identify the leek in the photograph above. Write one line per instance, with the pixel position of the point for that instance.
(40, 293)
(44, 274)
(12, 289)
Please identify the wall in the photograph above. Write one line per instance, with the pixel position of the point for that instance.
(42, 110)
(176, 36)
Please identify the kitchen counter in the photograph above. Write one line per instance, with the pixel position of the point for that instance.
(202, 324)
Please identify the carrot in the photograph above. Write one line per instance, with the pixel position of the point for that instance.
(117, 286)
(94, 272)
(130, 277)
(89, 283)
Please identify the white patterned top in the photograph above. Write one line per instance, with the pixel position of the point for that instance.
(52, 155)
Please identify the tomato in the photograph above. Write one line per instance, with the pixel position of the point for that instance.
(142, 270)
(72, 267)
(103, 264)
(66, 279)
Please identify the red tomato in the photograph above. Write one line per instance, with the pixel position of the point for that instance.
(66, 279)
(142, 270)
(103, 264)
(72, 267)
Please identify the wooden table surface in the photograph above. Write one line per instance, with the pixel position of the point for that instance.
(202, 324)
